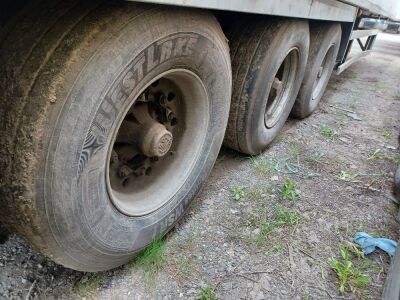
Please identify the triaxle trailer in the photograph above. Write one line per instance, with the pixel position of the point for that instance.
(113, 113)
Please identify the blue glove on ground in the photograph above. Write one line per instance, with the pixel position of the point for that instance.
(369, 244)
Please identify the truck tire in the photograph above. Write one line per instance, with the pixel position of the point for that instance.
(268, 63)
(391, 290)
(112, 115)
(324, 46)
(396, 183)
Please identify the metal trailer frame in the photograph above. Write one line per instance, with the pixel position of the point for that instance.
(366, 47)
(328, 10)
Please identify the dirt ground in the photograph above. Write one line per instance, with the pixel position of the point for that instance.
(338, 165)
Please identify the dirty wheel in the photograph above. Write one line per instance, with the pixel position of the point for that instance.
(120, 112)
(324, 47)
(391, 290)
(269, 59)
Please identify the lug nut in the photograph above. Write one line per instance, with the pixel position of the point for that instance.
(124, 171)
(163, 100)
(170, 114)
(140, 171)
(114, 158)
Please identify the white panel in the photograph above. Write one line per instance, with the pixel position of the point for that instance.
(309, 9)
(386, 8)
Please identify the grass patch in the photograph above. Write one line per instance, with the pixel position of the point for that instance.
(327, 132)
(285, 217)
(350, 277)
(207, 293)
(289, 191)
(262, 164)
(377, 154)
(275, 249)
(394, 158)
(265, 226)
(353, 104)
(295, 150)
(320, 157)
(386, 133)
(152, 259)
(345, 176)
(88, 284)
(238, 192)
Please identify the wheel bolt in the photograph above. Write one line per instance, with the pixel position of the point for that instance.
(140, 171)
(124, 171)
(170, 114)
(163, 100)
(114, 157)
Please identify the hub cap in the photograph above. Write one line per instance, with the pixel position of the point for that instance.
(323, 74)
(281, 88)
(157, 143)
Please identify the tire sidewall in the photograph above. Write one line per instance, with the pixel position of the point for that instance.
(290, 34)
(324, 37)
(84, 222)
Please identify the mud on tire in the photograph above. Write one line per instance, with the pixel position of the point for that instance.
(324, 46)
(269, 57)
(70, 72)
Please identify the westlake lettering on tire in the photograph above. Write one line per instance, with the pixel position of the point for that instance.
(78, 178)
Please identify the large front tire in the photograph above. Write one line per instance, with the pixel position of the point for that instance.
(93, 120)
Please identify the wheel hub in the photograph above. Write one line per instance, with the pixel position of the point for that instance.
(281, 89)
(156, 141)
(323, 74)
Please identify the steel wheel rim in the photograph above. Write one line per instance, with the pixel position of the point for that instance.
(281, 88)
(323, 73)
(144, 192)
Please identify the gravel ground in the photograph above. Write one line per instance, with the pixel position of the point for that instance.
(263, 246)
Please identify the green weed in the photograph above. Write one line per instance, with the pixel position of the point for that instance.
(262, 164)
(207, 293)
(256, 194)
(265, 225)
(320, 157)
(377, 154)
(295, 149)
(394, 158)
(283, 217)
(350, 277)
(152, 258)
(345, 176)
(276, 248)
(386, 133)
(327, 132)
(286, 217)
(238, 192)
(289, 190)
(353, 104)
(88, 284)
